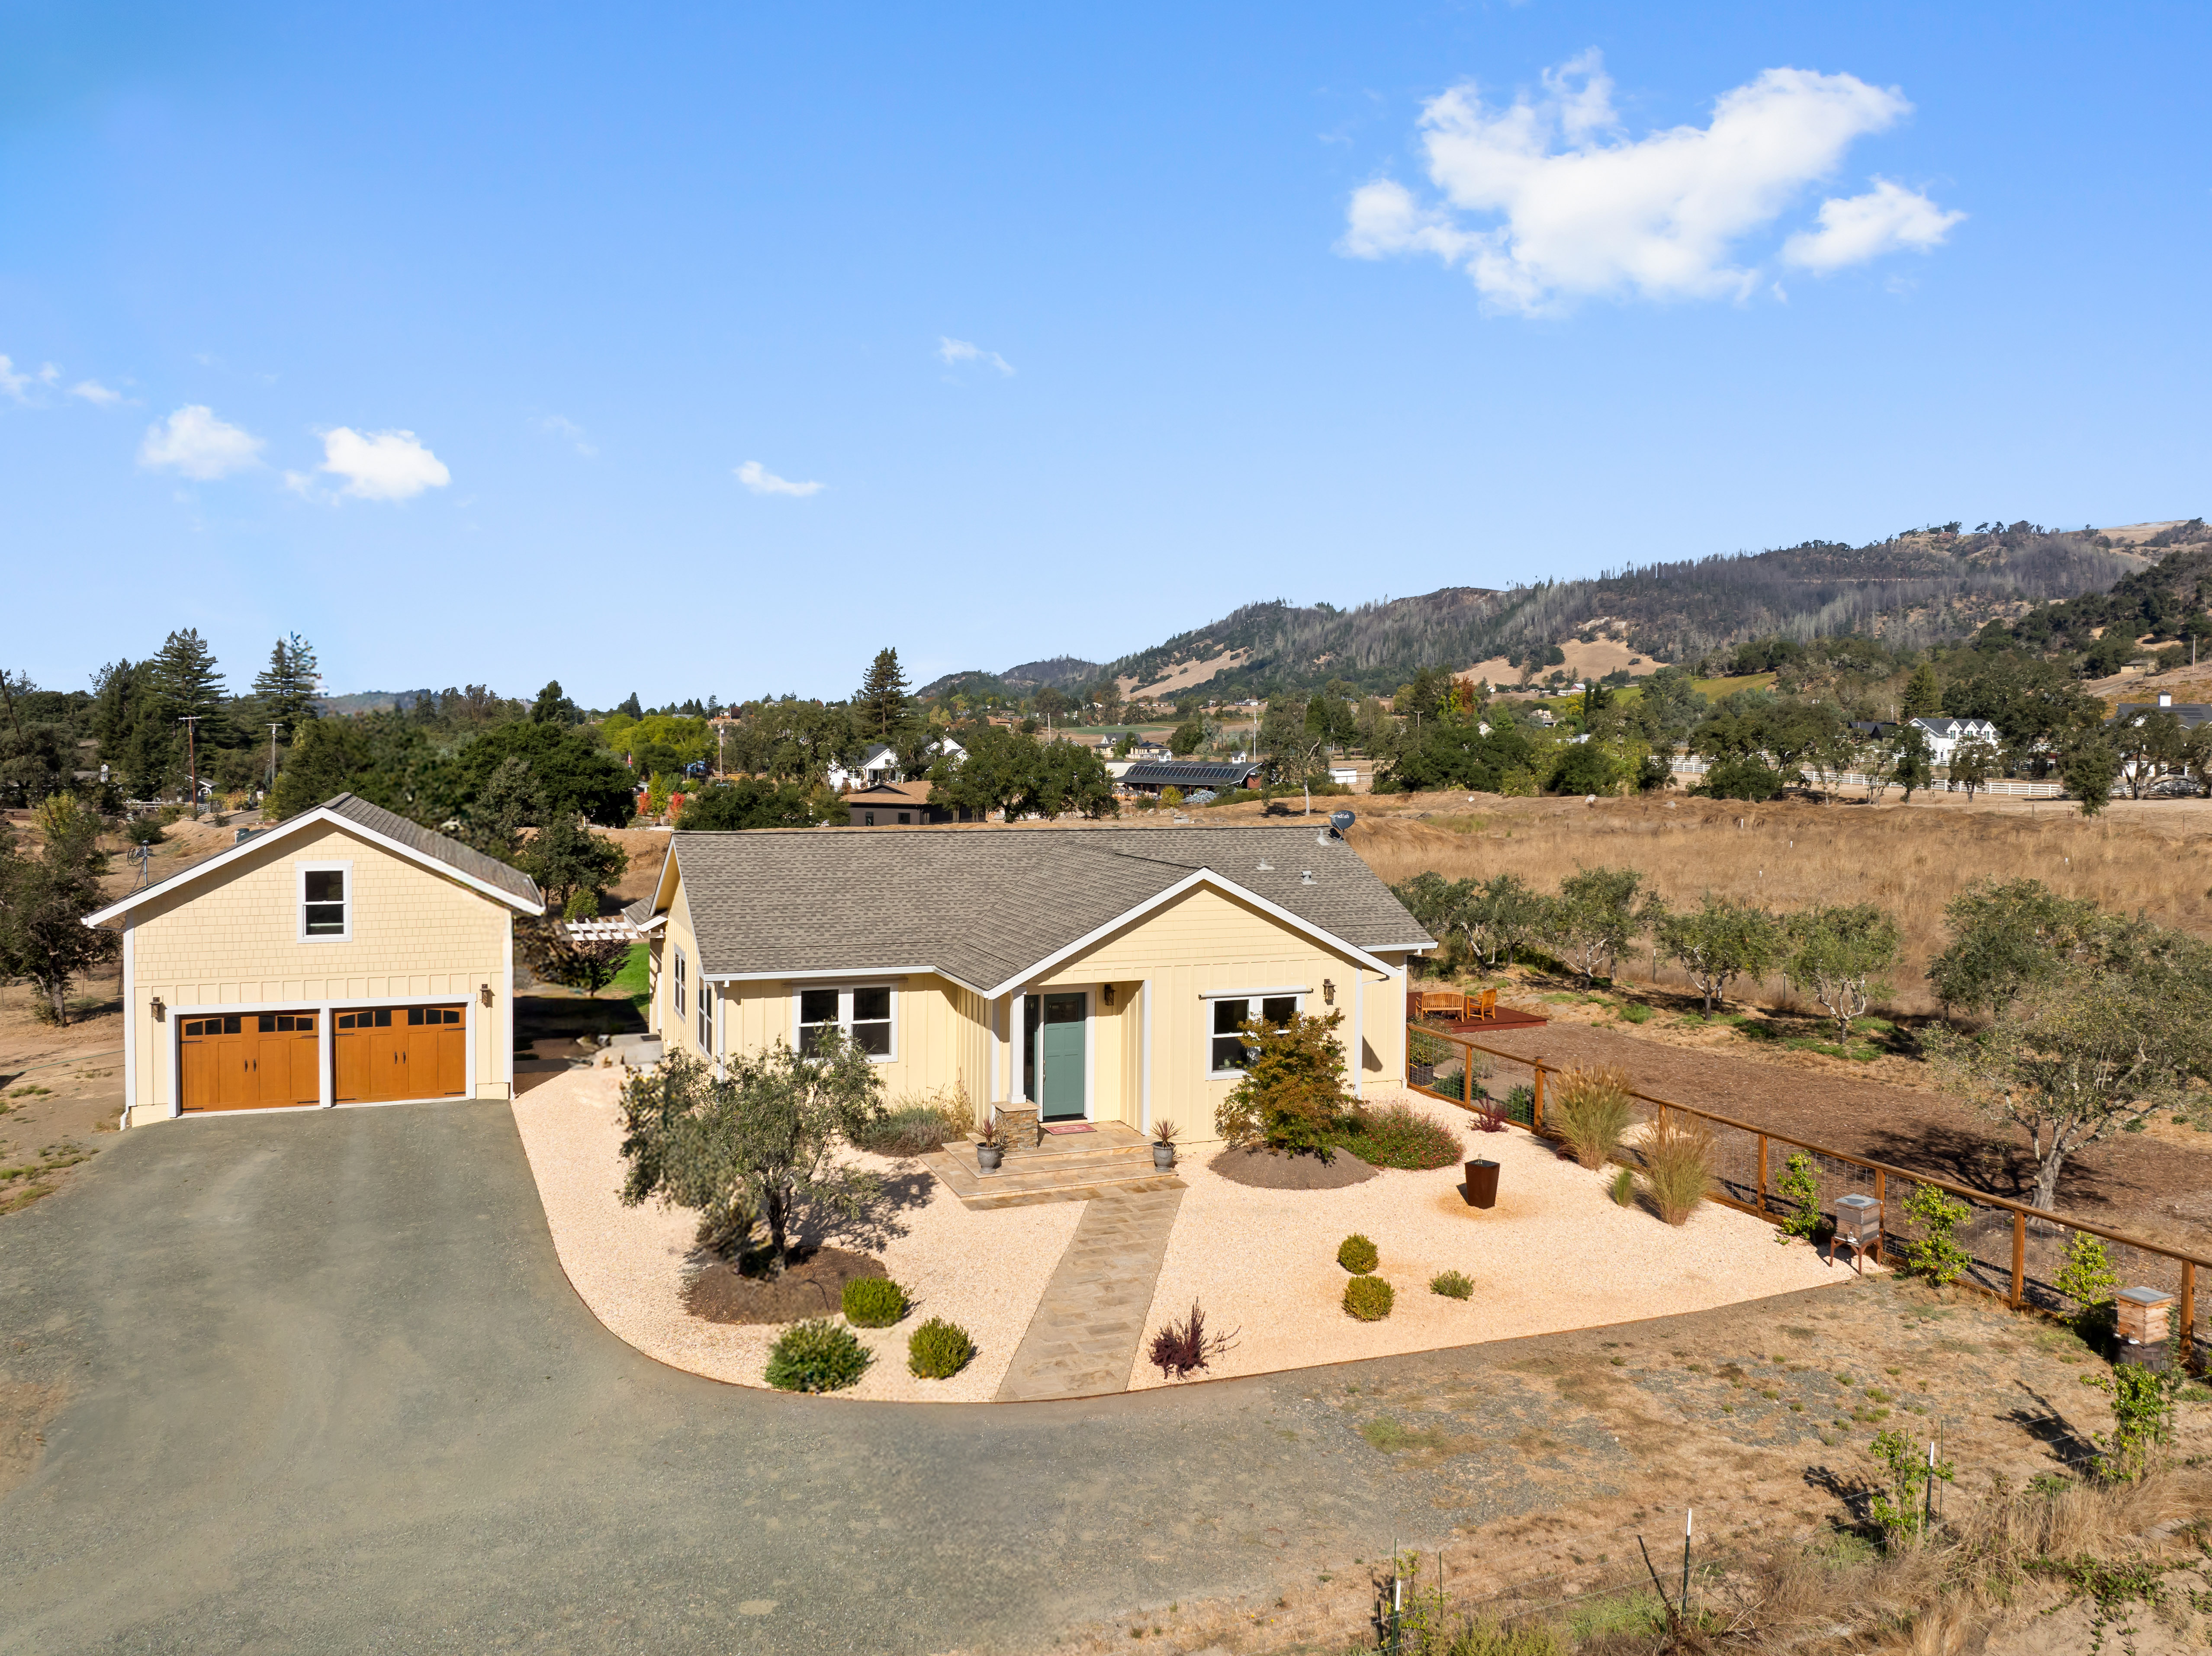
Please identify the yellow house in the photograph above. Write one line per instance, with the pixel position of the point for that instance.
(344, 956)
(1094, 973)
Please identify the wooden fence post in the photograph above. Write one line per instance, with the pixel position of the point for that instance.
(1881, 1195)
(2188, 1314)
(1762, 1175)
(1536, 1097)
(2019, 1258)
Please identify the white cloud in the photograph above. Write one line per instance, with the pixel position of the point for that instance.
(382, 465)
(95, 393)
(953, 352)
(1565, 205)
(759, 479)
(570, 431)
(193, 441)
(12, 382)
(1856, 228)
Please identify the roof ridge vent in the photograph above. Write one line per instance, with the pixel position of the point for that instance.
(1305, 877)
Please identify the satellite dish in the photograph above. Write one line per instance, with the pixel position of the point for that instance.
(1340, 820)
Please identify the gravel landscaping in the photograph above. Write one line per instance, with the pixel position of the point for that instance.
(985, 1271)
(1555, 1253)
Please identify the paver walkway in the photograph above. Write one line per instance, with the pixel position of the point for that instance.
(1084, 1335)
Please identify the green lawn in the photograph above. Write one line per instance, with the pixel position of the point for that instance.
(631, 983)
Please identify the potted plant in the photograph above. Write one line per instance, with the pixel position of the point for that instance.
(1482, 1182)
(990, 1144)
(1164, 1138)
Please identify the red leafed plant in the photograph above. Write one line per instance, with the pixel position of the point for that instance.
(1489, 1113)
(1181, 1349)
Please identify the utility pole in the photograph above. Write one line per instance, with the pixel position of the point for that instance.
(191, 724)
(273, 729)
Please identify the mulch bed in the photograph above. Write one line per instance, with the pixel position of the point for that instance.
(812, 1285)
(2124, 1179)
(1272, 1170)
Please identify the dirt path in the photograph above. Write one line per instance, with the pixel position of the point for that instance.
(2162, 1191)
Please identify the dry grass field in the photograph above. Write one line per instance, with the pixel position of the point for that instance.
(1912, 859)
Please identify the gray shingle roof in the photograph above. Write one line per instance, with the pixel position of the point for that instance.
(983, 904)
(463, 859)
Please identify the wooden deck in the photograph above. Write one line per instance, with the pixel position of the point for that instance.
(1504, 1017)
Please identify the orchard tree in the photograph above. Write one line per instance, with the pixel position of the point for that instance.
(2008, 936)
(1594, 918)
(1720, 941)
(1839, 954)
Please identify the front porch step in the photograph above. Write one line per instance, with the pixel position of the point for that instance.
(1049, 1175)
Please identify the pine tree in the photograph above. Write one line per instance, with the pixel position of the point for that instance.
(1923, 693)
(188, 685)
(882, 703)
(285, 689)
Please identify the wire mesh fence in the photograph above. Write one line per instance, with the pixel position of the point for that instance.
(2004, 1248)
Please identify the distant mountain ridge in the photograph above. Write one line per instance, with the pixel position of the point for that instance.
(1915, 588)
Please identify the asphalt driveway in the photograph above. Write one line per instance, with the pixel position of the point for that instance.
(326, 1389)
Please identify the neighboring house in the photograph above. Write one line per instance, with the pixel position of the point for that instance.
(2190, 713)
(1944, 735)
(344, 956)
(1099, 973)
(898, 804)
(880, 765)
(1147, 747)
(1186, 775)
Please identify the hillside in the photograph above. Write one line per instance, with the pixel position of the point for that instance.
(1915, 589)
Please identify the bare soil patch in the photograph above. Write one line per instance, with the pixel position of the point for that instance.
(812, 1285)
(2151, 1188)
(61, 1090)
(1272, 1170)
(1545, 1459)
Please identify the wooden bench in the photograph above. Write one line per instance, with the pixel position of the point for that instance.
(1432, 1002)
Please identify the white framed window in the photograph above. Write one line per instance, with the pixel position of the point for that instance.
(679, 984)
(706, 1017)
(325, 902)
(1227, 1016)
(865, 1012)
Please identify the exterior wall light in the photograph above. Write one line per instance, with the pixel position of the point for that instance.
(483, 993)
(1328, 993)
(1107, 994)
(161, 1011)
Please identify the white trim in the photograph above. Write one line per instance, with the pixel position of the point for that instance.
(1359, 1034)
(1195, 878)
(503, 1025)
(675, 980)
(824, 976)
(343, 866)
(325, 1027)
(1206, 1025)
(130, 1024)
(321, 814)
(1090, 1048)
(1144, 1076)
(844, 992)
(1247, 994)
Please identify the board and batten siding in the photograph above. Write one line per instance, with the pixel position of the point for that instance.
(235, 944)
(1203, 943)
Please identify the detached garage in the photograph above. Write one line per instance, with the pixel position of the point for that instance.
(346, 956)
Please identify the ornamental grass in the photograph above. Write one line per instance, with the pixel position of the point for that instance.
(1592, 1112)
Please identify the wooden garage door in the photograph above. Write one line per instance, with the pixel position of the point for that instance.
(400, 1052)
(249, 1061)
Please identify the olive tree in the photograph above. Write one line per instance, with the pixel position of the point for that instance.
(2007, 934)
(1838, 955)
(1720, 941)
(758, 1144)
(1594, 918)
(2095, 1050)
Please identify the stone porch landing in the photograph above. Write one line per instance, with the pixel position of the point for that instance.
(1114, 1159)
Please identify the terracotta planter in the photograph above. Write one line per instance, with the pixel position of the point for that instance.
(988, 1157)
(1164, 1157)
(1482, 1184)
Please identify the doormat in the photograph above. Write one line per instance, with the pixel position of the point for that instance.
(1069, 1126)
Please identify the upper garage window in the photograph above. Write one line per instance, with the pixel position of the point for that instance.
(325, 902)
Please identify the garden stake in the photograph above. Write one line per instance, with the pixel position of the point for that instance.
(1686, 1560)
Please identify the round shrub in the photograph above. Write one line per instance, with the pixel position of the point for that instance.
(939, 1349)
(816, 1356)
(1356, 1254)
(873, 1302)
(1368, 1298)
(1452, 1284)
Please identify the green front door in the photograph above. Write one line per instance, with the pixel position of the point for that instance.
(1059, 1057)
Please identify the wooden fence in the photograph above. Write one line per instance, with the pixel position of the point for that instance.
(2016, 1251)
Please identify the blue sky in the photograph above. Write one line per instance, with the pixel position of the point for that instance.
(705, 349)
